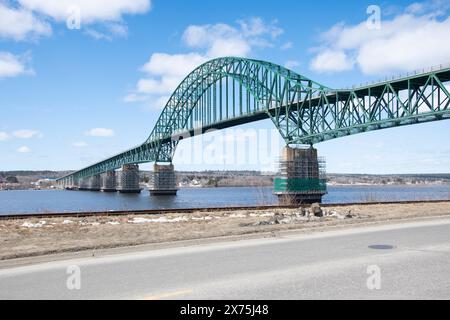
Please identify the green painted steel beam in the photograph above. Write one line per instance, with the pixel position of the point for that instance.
(293, 185)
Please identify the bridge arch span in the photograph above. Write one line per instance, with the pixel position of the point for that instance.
(225, 92)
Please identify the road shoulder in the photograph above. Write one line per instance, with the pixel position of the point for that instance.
(292, 233)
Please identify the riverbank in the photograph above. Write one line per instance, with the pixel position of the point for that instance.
(53, 235)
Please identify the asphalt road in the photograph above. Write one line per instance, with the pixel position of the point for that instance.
(413, 262)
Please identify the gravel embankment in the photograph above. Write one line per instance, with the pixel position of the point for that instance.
(34, 237)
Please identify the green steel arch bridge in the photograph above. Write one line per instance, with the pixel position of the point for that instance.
(230, 91)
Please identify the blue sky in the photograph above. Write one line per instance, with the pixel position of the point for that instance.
(71, 97)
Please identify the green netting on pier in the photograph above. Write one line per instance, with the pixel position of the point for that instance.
(300, 185)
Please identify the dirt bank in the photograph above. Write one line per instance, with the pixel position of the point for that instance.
(33, 237)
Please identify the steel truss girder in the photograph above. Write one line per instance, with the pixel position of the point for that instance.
(402, 102)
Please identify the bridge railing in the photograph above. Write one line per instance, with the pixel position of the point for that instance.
(434, 68)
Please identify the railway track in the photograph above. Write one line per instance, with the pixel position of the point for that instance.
(190, 210)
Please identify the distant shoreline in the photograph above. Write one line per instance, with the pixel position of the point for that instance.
(269, 186)
(387, 184)
(45, 180)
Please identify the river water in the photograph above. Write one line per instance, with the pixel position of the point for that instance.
(47, 201)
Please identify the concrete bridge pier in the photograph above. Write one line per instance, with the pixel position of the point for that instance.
(75, 185)
(109, 181)
(302, 177)
(163, 182)
(83, 184)
(129, 179)
(94, 183)
(72, 184)
(69, 184)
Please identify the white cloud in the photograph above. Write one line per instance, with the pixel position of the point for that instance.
(287, 46)
(154, 86)
(415, 8)
(436, 7)
(151, 102)
(19, 24)
(135, 97)
(224, 40)
(27, 134)
(4, 136)
(229, 47)
(97, 35)
(161, 64)
(331, 61)
(203, 36)
(164, 72)
(13, 65)
(256, 27)
(29, 19)
(292, 64)
(118, 29)
(158, 102)
(108, 31)
(411, 40)
(24, 149)
(92, 11)
(100, 132)
(80, 144)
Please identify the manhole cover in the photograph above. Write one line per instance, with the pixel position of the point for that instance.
(381, 247)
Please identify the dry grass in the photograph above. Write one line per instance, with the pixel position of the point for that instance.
(54, 236)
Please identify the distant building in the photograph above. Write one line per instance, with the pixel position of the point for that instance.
(44, 182)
